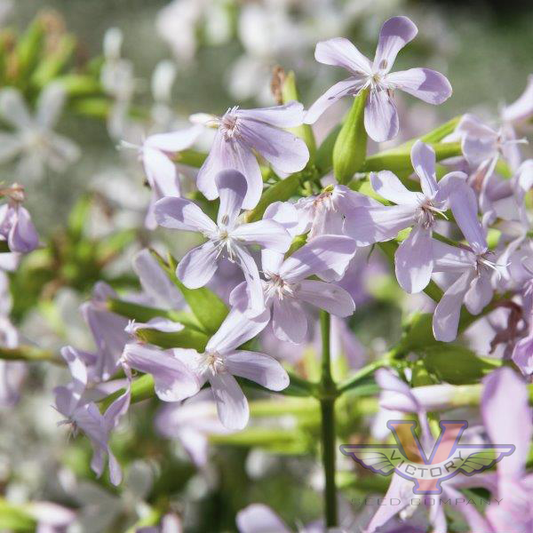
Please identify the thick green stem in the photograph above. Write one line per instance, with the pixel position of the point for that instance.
(327, 409)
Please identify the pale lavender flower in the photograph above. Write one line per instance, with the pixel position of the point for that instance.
(482, 145)
(158, 289)
(173, 381)
(287, 288)
(378, 223)
(325, 213)
(504, 393)
(400, 488)
(240, 133)
(108, 331)
(522, 109)
(16, 226)
(161, 172)
(218, 364)
(228, 236)
(381, 116)
(33, 139)
(51, 517)
(84, 415)
(474, 265)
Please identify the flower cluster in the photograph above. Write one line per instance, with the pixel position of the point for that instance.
(286, 233)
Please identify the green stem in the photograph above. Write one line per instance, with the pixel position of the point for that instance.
(327, 409)
(361, 374)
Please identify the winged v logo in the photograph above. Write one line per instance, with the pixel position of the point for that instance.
(445, 461)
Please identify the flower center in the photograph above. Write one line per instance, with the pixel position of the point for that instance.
(277, 287)
(211, 362)
(224, 242)
(426, 213)
(229, 124)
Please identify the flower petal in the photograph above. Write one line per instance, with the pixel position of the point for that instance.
(23, 236)
(232, 406)
(258, 518)
(350, 86)
(237, 329)
(464, 207)
(286, 152)
(173, 381)
(505, 393)
(258, 367)
(49, 105)
(253, 280)
(155, 282)
(414, 260)
(393, 36)
(479, 294)
(225, 155)
(522, 108)
(158, 167)
(13, 109)
(318, 255)
(198, 266)
(327, 296)
(289, 115)
(368, 225)
(387, 184)
(428, 85)
(232, 188)
(340, 52)
(451, 258)
(381, 117)
(448, 310)
(266, 233)
(423, 159)
(174, 141)
(289, 321)
(182, 214)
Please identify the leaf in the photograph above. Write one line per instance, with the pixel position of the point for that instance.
(324, 155)
(143, 313)
(281, 191)
(186, 338)
(78, 217)
(29, 354)
(142, 388)
(289, 93)
(457, 364)
(207, 307)
(399, 159)
(349, 151)
(15, 518)
(52, 64)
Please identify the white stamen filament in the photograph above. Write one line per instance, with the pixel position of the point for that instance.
(211, 362)
(277, 287)
(426, 213)
(229, 123)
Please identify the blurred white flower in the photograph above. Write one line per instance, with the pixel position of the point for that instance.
(33, 139)
(118, 81)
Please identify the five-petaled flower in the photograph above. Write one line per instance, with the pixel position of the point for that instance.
(381, 117)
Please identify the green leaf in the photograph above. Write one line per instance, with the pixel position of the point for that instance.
(29, 48)
(78, 217)
(324, 155)
(349, 152)
(82, 85)
(142, 388)
(143, 313)
(29, 354)
(289, 92)
(186, 338)
(399, 159)
(457, 364)
(15, 518)
(191, 158)
(281, 191)
(52, 64)
(207, 307)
